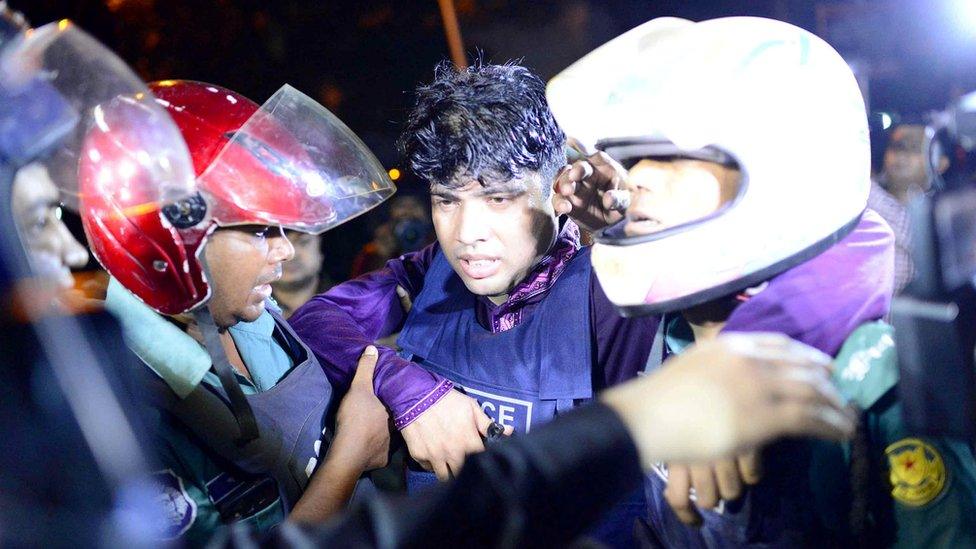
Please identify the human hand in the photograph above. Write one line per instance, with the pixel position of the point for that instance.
(362, 442)
(719, 480)
(730, 395)
(362, 422)
(591, 191)
(441, 437)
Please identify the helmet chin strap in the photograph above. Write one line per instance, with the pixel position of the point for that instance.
(239, 405)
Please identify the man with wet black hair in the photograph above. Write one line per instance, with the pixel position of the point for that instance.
(508, 326)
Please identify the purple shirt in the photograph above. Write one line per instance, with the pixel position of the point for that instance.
(340, 323)
(821, 301)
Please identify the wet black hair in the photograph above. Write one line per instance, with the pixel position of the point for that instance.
(487, 122)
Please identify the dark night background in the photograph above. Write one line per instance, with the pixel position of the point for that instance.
(362, 58)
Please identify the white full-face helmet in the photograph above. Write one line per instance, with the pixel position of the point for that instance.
(769, 98)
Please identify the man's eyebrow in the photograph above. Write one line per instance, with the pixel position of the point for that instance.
(503, 188)
(443, 192)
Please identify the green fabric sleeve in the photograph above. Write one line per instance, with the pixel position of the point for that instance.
(175, 357)
(866, 367)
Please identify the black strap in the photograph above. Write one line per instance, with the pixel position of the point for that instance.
(239, 405)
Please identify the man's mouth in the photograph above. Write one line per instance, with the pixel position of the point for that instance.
(641, 224)
(263, 287)
(271, 278)
(479, 266)
(264, 291)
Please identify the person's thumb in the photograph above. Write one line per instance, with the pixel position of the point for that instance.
(367, 364)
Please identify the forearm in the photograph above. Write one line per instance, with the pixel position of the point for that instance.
(340, 323)
(366, 308)
(329, 490)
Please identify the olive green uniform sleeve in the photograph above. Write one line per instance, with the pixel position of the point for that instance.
(926, 486)
(932, 482)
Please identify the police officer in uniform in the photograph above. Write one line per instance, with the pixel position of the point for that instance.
(748, 169)
(243, 421)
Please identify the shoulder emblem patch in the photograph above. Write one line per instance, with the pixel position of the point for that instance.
(917, 472)
(177, 510)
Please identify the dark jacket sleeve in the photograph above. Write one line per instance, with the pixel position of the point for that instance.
(538, 490)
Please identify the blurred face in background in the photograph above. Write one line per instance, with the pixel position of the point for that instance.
(904, 160)
(305, 267)
(407, 207)
(52, 249)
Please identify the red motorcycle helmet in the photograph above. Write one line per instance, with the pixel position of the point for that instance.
(288, 163)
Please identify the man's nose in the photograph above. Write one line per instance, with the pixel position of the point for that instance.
(473, 222)
(281, 249)
(73, 254)
(649, 181)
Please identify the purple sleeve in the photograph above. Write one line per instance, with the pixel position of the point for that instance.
(622, 344)
(340, 323)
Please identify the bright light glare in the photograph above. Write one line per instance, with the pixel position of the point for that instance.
(964, 14)
(885, 121)
(314, 185)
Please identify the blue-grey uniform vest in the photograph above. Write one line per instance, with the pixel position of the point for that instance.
(293, 419)
(522, 377)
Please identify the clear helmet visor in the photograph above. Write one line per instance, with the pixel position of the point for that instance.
(293, 164)
(74, 98)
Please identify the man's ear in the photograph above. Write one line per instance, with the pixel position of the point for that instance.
(943, 164)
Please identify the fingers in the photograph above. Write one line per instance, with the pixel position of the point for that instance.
(616, 200)
(750, 467)
(706, 489)
(777, 349)
(728, 479)
(405, 300)
(441, 470)
(564, 188)
(677, 494)
(796, 384)
(799, 419)
(598, 172)
(805, 403)
(483, 424)
(472, 442)
(572, 174)
(366, 367)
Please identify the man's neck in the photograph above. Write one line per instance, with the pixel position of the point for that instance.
(708, 319)
(233, 355)
(498, 299)
(707, 331)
